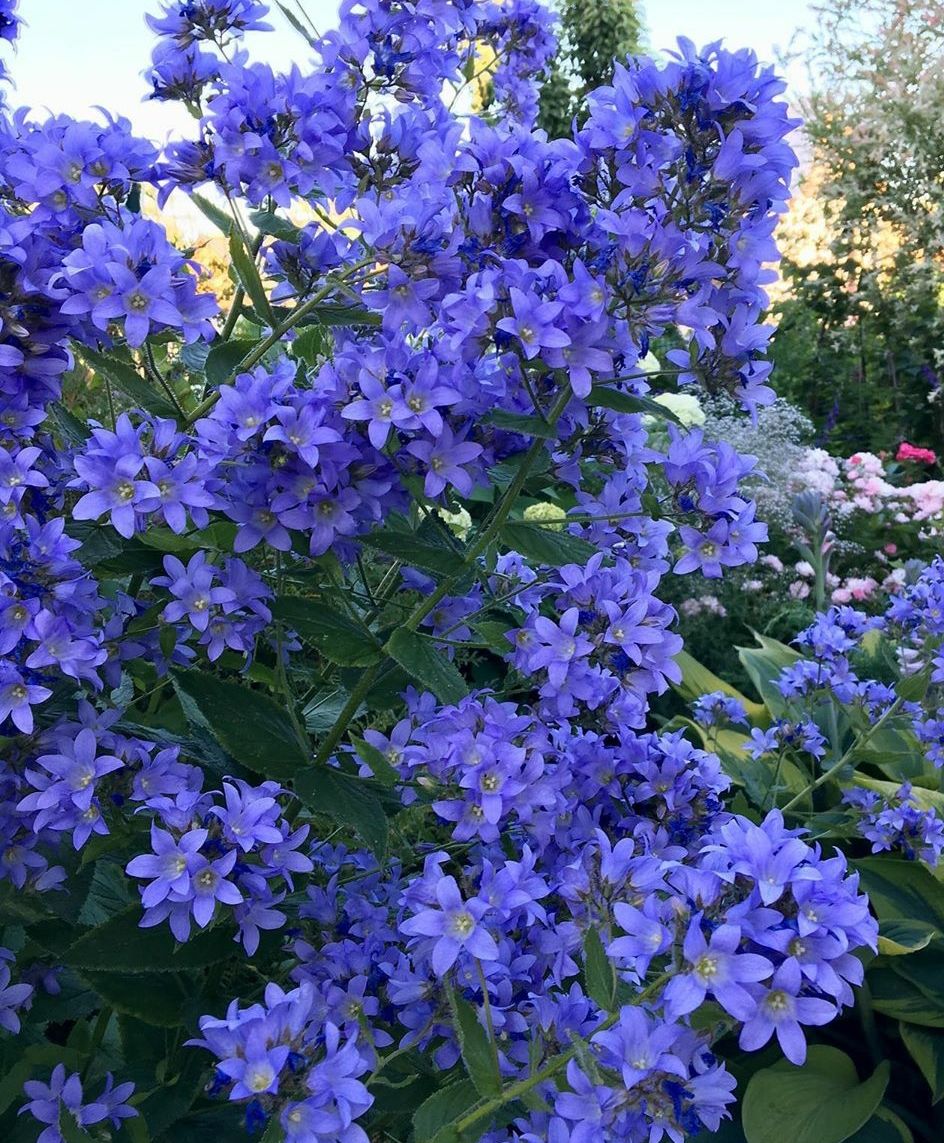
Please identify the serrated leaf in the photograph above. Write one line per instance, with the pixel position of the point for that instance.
(820, 1102)
(340, 639)
(442, 1108)
(251, 726)
(546, 546)
(527, 426)
(621, 402)
(73, 431)
(125, 377)
(220, 218)
(69, 1128)
(419, 657)
(376, 760)
(224, 358)
(913, 688)
(268, 222)
(478, 1052)
(411, 549)
(310, 344)
(121, 945)
(249, 278)
(599, 975)
(274, 1132)
(347, 800)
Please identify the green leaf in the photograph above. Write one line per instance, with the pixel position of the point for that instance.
(478, 1052)
(411, 549)
(893, 995)
(250, 726)
(125, 377)
(884, 1127)
(73, 431)
(310, 344)
(526, 426)
(274, 1133)
(347, 800)
(296, 23)
(545, 546)
(420, 658)
(927, 1051)
(269, 222)
(248, 274)
(621, 402)
(382, 770)
(901, 938)
(69, 1128)
(913, 688)
(340, 639)
(121, 945)
(155, 999)
(902, 890)
(224, 358)
(598, 971)
(333, 314)
(220, 218)
(763, 665)
(442, 1108)
(820, 1102)
(923, 798)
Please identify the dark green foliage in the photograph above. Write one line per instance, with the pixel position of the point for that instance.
(592, 34)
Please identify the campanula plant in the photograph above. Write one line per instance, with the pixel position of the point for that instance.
(331, 804)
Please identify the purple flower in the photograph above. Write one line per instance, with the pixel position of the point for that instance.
(718, 968)
(781, 1010)
(18, 697)
(533, 323)
(444, 460)
(169, 867)
(456, 926)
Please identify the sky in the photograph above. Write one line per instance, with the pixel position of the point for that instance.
(76, 54)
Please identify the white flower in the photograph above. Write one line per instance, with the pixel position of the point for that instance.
(459, 521)
(685, 406)
(546, 515)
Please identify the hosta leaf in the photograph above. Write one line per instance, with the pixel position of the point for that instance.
(820, 1102)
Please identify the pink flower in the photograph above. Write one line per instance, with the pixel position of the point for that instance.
(913, 452)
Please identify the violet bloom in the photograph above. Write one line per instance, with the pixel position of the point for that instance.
(170, 865)
(179, 488)
(17, 698)
(782, 1010)
(715, 967)
(560, 645)
(456, 925)
(17, 473)
(302, 431)
(115, 490)
(12, 996)
(444, 459)
(533, 323)
(193, 587)
(144, 301)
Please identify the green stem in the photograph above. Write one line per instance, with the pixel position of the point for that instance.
(486, 1110)
(98, 1035)
(837, 766)
(366, 681)
(254, 356)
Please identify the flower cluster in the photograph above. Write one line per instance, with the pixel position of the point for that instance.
(424, 442)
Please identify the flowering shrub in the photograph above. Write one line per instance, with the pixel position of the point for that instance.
(848, 744)
(331, 804)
